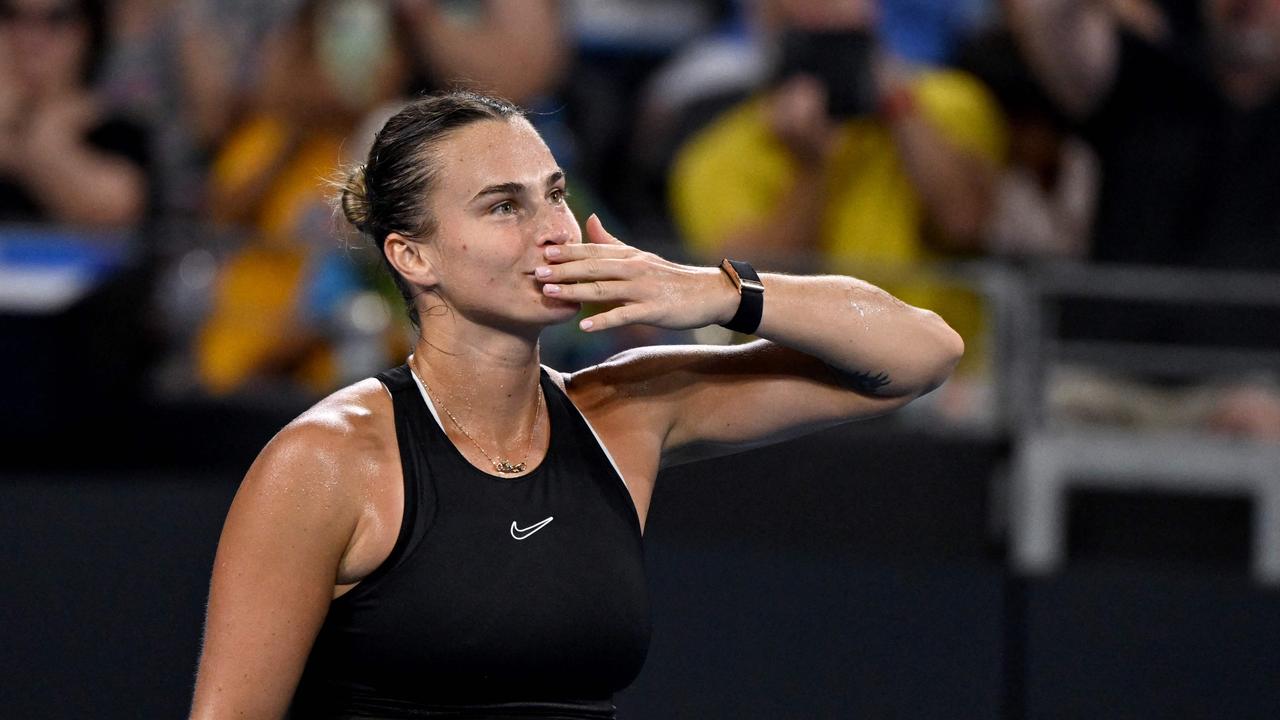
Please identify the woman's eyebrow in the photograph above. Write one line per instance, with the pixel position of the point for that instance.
(507, 188)
(515, 188)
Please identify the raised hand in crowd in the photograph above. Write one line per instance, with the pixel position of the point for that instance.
(65, 160)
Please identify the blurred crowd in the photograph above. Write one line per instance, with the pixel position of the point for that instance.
(868, 137)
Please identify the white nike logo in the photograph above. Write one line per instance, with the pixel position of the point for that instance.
(520, 534)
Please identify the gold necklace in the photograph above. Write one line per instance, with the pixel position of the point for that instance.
(502, 465)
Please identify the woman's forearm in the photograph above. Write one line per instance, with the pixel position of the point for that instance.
(878, 344)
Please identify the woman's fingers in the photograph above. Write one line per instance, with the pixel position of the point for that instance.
(597, 234)
(581, 251)
(588, 269)
(642, 287)
(593, 291)
(600, 244)
(617, 317)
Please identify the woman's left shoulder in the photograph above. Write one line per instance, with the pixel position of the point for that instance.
(629, 401)
(647, 376)
(599, 382)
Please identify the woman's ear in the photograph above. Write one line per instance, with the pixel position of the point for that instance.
(409, 259)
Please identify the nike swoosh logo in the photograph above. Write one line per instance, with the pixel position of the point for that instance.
(520, 534)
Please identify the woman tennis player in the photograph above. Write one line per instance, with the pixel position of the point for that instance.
(461, 536)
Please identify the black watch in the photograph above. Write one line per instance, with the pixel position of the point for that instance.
(750, 294)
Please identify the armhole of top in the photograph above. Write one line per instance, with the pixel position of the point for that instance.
(599, 441)
(426, 398)
(408, 514)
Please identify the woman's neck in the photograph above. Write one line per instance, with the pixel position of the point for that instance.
(488, 383)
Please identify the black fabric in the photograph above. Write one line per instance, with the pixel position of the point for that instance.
(1188, 178)
(116, 136)
(463, 619)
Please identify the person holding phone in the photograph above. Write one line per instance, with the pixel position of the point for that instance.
(849, 157)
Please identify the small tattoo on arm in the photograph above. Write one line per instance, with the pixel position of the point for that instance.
(863, 382)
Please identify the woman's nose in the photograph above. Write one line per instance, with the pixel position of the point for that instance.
(556, 231)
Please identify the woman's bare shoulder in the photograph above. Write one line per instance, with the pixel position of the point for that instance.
(645, 374)
(337, 446)
(636, 388)
(286, 542)
(356, 414)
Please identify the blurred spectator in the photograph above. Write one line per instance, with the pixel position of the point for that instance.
(515, 49)
(130, 75)
(708, 75)
(64, 157)
(1046, 194)
(141, 76)
(930, 31)
(220, 43)
(634, 26)
(719, 69)
(906, 161)
(284, 301)
(851, 156)
(1184, 122)
(1183, 110)
(188, 67)
(620, 44)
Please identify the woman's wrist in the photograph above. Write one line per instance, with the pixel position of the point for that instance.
(724, 296)
(750, 296)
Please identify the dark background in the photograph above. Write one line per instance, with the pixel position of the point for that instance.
(849, 574)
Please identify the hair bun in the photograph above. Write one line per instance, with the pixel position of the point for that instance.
(355, 199)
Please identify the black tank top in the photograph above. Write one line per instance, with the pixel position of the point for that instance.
(502, 598)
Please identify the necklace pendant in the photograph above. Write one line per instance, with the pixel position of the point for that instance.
(506, 467)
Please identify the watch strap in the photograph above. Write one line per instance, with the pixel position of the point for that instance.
(750, 296)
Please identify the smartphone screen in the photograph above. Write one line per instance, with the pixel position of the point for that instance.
(840, 60)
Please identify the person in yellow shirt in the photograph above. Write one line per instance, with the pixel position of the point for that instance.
(801, 171)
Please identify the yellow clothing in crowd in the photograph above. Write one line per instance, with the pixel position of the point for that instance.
(254, 320)
(734, 173)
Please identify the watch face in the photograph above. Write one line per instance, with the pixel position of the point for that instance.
(749, 283)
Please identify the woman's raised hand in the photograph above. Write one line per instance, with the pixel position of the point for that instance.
(642, 287)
